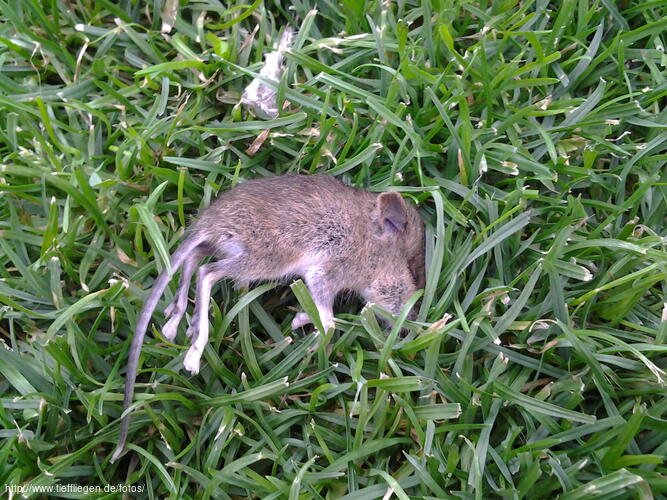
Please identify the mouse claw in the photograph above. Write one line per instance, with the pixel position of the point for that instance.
(300, 320)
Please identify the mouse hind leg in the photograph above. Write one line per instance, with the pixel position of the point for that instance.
(176, 309)
(207, 276)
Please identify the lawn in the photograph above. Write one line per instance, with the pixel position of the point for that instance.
(531, 134)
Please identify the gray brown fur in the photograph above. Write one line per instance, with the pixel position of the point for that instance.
(315, 227)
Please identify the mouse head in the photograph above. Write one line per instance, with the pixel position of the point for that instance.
(399, 230)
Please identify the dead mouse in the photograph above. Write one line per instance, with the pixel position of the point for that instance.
(334, 236)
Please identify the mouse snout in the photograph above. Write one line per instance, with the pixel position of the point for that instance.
(392, 293)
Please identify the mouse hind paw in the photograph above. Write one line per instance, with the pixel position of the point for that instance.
(192, 360)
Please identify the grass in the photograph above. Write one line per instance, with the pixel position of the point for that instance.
(533, 136)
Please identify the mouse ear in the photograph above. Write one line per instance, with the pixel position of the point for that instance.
(393, 212)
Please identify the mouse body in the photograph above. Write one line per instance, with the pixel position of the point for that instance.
(333, 236)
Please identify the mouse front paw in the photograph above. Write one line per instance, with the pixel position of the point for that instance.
(300, 320)
(328, 324)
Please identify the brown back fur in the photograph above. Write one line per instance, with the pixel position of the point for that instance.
(279, 224)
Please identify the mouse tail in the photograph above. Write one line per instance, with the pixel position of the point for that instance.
(143, 320)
